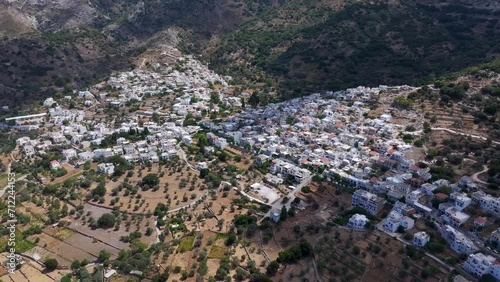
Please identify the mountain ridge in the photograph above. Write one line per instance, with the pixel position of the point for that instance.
(291, 47)
(369, 43)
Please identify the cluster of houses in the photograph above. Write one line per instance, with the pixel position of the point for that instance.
(159, 143)
(480, 264)
(82, 135)
(314, 135)
(191, 81)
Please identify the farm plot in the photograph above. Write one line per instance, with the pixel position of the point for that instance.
(65, 253)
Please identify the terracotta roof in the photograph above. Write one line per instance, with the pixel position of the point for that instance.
(411, 211)
(441, 196)
(480, 220)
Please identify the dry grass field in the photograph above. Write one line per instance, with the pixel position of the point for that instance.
(30, 272)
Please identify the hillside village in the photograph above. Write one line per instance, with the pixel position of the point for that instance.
(154, 115)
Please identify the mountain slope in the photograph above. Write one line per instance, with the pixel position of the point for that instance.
(365, 43)
(297, 45)
(55, 46)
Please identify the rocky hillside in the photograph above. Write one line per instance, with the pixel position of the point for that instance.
(50, 47)
(310, 46)
(296, 46)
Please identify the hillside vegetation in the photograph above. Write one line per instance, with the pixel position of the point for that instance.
(68, 45)
(310, 46)
(292, 47)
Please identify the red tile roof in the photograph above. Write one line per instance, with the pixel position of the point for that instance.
(441, 196)
(414, 167)
(411, 211)
(480, 220)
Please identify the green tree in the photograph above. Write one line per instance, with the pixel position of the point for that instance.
(272, 268)
(51, 264)
(106, 220)
(104, 255)
(254, 100)
(283, 214)
(75, 265)
(231, 239)
(400, 229)
(151, 180)
(487, 278)
(100, 190)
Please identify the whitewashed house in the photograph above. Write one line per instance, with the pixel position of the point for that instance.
(106, 168)
(421, 238)
(55, 164)
(69, 154)
(357, 221)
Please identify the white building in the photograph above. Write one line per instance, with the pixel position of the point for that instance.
(106, 168)
(495, 236)
(491, 204)
(220, 143)
(55, 164)
(479, 264)
(394, 220)
(29, 150)
(458, 242)
(23, 140)
(49, 102)
(58, 138)
(187, 140)
(454, 217)
(461, 200)
(421, 238)
(169, 154)
(275, 215)
(202, 165)
(287, 169)
(495, 270)
(69, 154)
(86, 156)
(368, 201)
(357, 221)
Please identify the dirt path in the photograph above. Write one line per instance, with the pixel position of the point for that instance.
(476, 178)
(464, 134)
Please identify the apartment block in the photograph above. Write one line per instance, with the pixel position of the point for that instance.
(370, 202)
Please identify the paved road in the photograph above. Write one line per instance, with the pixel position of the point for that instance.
(278, 204)
(449, 267)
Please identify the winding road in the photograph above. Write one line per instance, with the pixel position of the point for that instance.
(476, 178)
